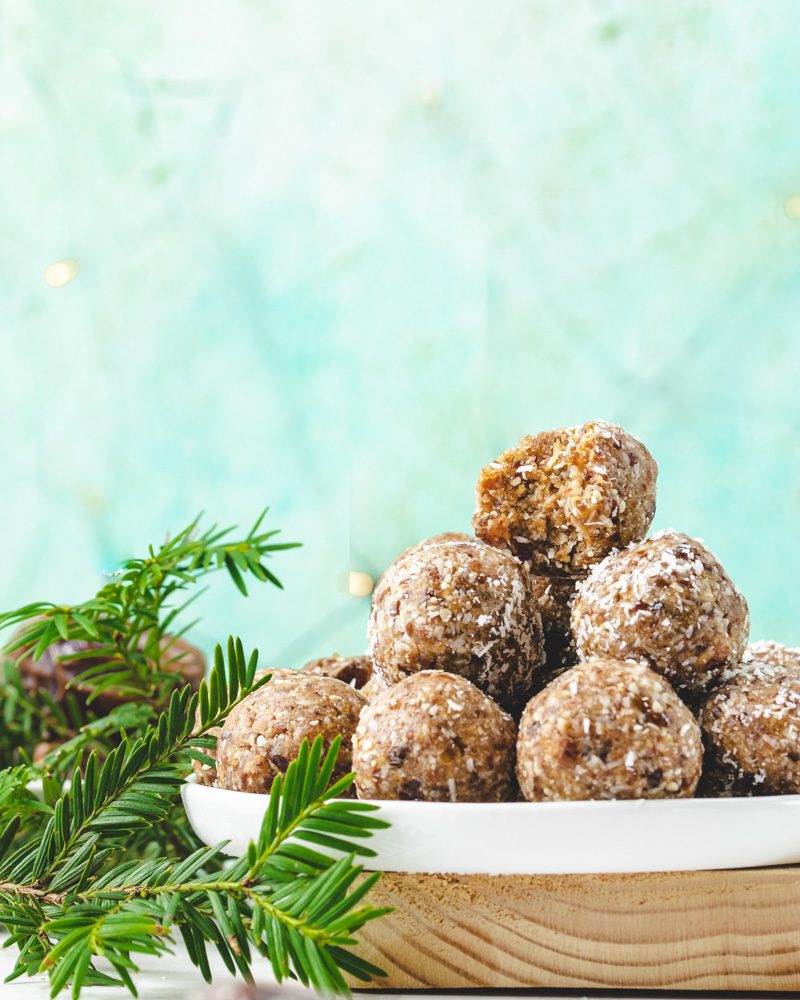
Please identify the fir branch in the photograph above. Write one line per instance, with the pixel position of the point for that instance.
(50, 731)
(110, 867)
(126, 624)
(29, 719)
(282, 899)
(136, 784)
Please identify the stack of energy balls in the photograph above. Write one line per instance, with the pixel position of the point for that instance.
(557, 654)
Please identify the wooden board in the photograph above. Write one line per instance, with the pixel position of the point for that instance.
(723, 930)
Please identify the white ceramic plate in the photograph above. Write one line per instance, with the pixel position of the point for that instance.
(519, 838)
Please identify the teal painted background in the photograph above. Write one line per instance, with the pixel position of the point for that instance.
(336, 256)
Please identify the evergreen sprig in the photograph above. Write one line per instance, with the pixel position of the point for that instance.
(124, 623)
(107, 866)
(69, 895)
(113, 798)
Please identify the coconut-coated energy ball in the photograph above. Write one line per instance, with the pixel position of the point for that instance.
(608, 729)
(353, 670)
(205, 774)
(667, 602)
(564, 499)
(375, 685)
(769, 651)
(263, 734)
(554, 596)
(751, 727)
(435, 737)
(460, 606)
(445, 536)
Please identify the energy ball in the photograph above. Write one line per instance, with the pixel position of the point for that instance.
(353, 670)
(769, 651)
(460, 606)
(554, 596)
(666, 602)
(564, 499)
(375, 685)
(435, 737)
(445, 536)
(205, 774)
(608, 729)
(263, 734)
(751, 725)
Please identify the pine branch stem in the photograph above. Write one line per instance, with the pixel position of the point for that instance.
(138, 775)
(152, 892)
(48, 898)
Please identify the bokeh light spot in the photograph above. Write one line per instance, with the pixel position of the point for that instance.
(61, 272)
(792, 207)
(361, 584)
(430, 98)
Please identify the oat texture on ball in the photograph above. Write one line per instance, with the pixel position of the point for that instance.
(435, 737)
(353, 670)
(460, 606)
(264, 732)
(751, 726)
(564, 499)
(608, 729)
(667, 602)
(375, 686)
(769, 651)
(445, 536)
(206, 774)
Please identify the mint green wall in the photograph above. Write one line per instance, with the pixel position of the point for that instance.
(336, 256)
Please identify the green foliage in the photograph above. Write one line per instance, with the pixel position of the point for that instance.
(131, 622)
(70, 892)
(105, 865)
(125, 621)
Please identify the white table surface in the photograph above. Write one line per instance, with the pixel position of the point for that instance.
(167, 978)
(173, 977)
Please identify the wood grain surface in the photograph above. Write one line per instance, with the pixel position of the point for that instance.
(731, 930)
